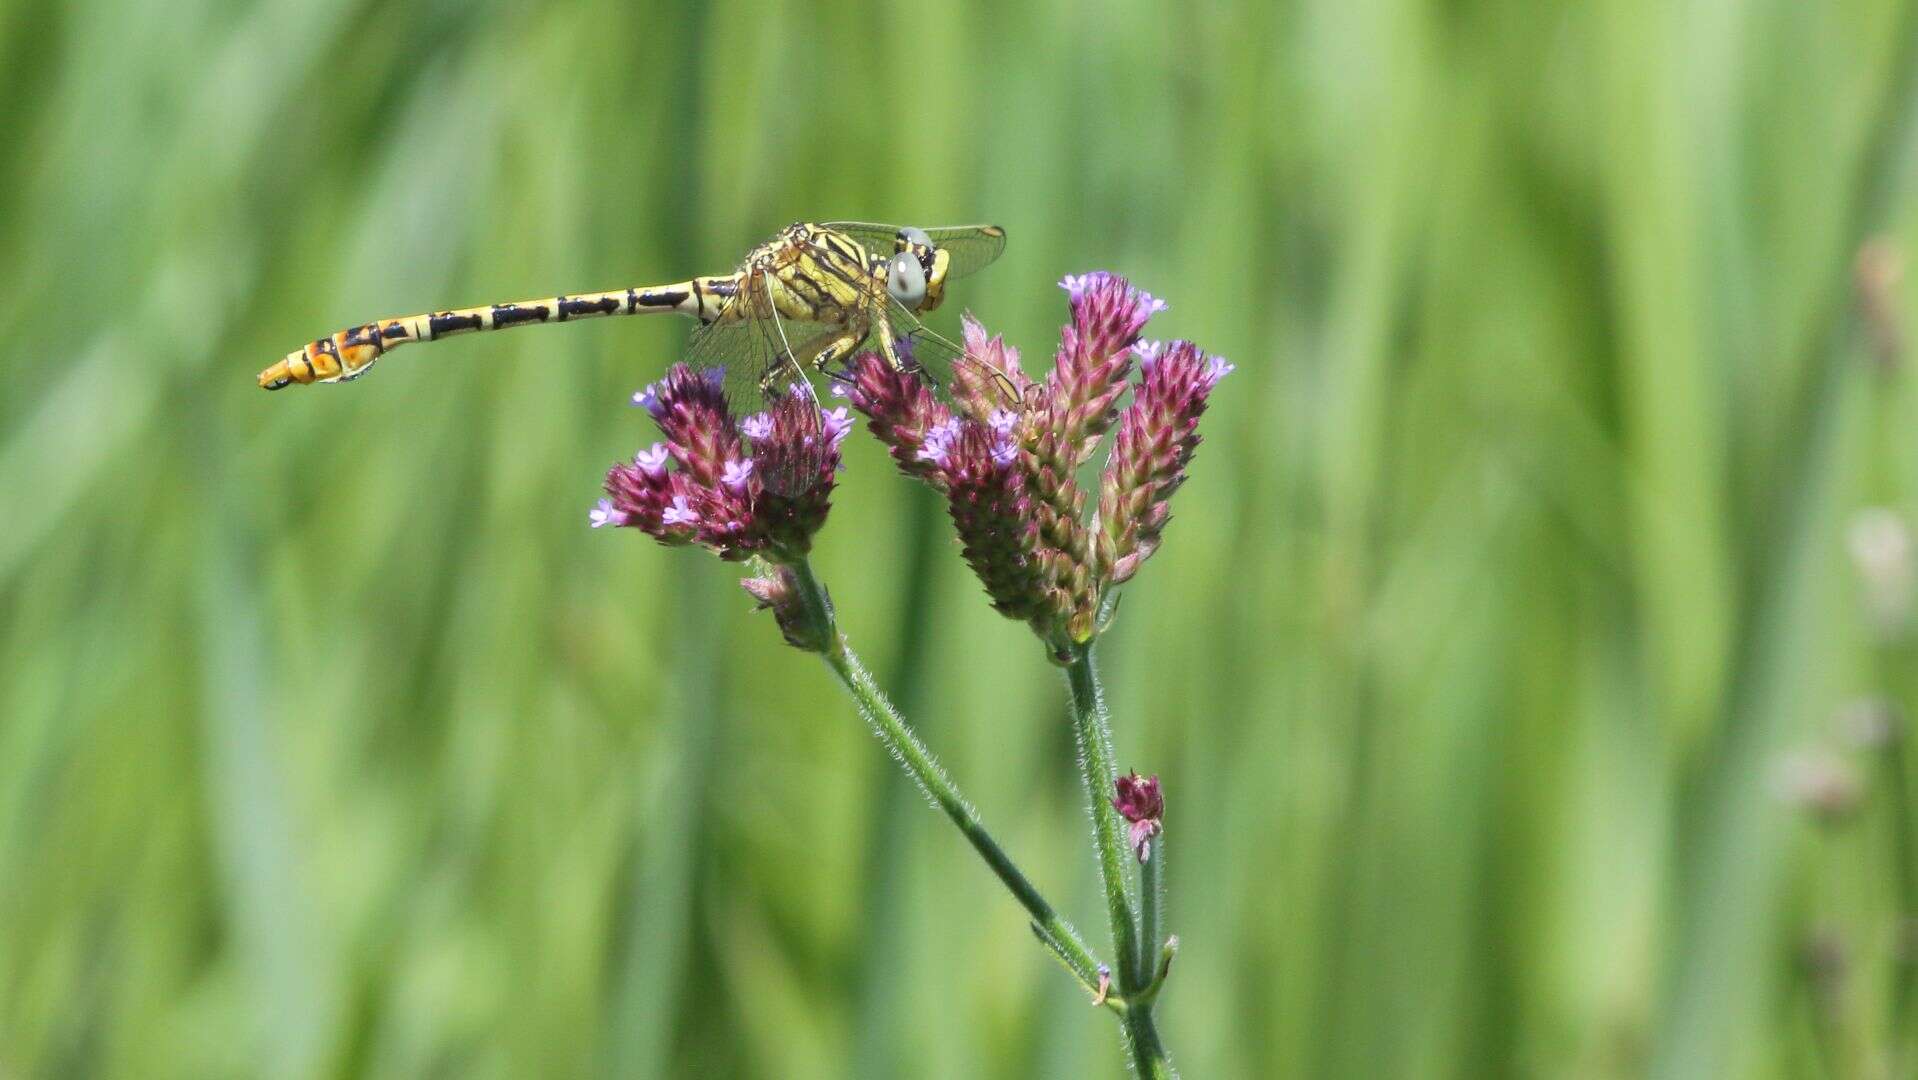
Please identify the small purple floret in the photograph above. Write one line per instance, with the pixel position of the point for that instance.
(679, 513)
(604, 514)
(1004, 451)
(756, 427)
(653, 459)
(937, 447)
(1077, 285)
(736, 474)
(648, 398)
(839, 424)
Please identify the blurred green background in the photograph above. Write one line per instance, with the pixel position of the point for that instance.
(1516, 561)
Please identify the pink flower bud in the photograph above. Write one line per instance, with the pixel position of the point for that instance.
(1141, 803)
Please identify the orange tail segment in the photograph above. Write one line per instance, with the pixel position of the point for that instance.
(343, 356)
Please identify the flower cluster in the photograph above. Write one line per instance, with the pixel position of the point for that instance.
(741, 486)
(1006, 450)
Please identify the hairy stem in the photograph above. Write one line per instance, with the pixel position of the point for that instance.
(1093, 729)
(926, 771)
(1151, 904)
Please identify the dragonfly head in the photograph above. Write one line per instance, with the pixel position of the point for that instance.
(916, 274)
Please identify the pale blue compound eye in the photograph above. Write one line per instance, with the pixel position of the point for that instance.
(916, 237)
(906, 280)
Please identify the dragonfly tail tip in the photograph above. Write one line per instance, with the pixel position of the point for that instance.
(276, 377)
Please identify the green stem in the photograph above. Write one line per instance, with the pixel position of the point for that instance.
(1093, 729)
(1142, 1038)
(926, 771)
(1151, 905)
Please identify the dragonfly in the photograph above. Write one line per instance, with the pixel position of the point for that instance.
(807, 298)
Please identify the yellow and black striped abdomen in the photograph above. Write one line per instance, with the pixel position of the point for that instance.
(348, 353)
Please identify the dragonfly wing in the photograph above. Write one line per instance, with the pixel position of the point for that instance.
(973, 247)
(765, 385)
(741, 349)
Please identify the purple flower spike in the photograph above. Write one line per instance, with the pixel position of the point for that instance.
(1095, 355)
(989, 379)
(1157, 438)
(1007, 452)
(900, 408)
(690, 407)
(703, 485)
(794, 468)
(998, 533)
(1142, 804)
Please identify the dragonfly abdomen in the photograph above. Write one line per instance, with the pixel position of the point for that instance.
(348, 353)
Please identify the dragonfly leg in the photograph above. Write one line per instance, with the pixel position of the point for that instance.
(825, 352)
(768, 383)
(899, 349)
(834, 351)
(911, 363)
(820, 354)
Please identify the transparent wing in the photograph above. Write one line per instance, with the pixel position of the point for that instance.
(940, 360)
(973, 247)
(756, 349)
(749, 345)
